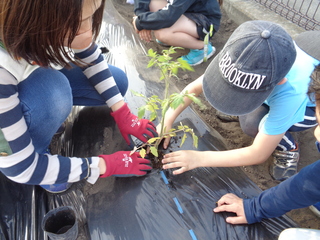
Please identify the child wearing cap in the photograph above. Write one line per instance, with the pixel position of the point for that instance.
(299, 191)
(258, 78)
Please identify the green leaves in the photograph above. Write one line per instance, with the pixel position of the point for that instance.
(176, 100)
(185, 65)
(206, 42)
(143, 152)
(195, 140)
(168, 68)
(154, 151)
(152, 148)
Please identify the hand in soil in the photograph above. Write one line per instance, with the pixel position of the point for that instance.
(166, 141)
(185, 160)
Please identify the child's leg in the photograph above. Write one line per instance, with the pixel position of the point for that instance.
(286, 156)
(84, 94)
(250, 123)
(156, 5)
(287, 143)
(183, 33)
(46, 102)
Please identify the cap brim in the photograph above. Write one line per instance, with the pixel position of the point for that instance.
(227, 98)
(309, 42)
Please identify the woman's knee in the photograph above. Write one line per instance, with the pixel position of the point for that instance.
(120, 78)
(59, 93)
(46, 90)
(46, 102)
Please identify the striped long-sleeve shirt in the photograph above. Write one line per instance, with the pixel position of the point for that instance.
(18, 159)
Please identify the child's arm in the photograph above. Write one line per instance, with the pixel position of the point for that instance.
(301, 190)
(162, 18)
(261, 148)
(171, 115)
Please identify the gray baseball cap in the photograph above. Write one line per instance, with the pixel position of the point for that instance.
(309, 42)
(256, 57)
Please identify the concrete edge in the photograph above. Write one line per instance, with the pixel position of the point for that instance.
(241, 11)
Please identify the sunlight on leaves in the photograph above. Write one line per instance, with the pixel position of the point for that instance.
(143, 152)
(195, 140)
(154, 151)
(168, 69)
(184, 137)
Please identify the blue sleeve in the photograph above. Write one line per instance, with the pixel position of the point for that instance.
(141, 6)
(163, 18)
(299, 191)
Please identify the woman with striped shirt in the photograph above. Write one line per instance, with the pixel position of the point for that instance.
(35, 98)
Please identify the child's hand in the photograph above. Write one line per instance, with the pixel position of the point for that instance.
(166, 140)
(134, 24)
(145, 35)
(184, 160)
(232, 203)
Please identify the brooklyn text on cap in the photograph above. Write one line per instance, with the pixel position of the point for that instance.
(256, 57)
(309, 42)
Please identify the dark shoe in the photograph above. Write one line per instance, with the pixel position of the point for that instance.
(57, 188)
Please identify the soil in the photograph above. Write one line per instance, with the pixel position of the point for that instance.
(228, 126)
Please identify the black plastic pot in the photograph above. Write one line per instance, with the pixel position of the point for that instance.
(61, 223)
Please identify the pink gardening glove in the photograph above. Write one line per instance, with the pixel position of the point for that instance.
(132, 127)
(121, 164)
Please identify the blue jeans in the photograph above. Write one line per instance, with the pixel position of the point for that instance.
(47, 97)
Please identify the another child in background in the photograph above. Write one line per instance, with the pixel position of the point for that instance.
(179, 23)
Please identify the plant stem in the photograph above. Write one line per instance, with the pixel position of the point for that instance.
(166, 93)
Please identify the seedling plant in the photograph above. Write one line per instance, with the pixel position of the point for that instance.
(154, 104)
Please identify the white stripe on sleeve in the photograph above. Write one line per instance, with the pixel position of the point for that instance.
(76, 169)
(105, 85)
(16, 158)
(114, 99)
(52, 171)
(92, 70)
(28, 173)
(95, 171)
(92, 57)
(6, 104)
(15, 130)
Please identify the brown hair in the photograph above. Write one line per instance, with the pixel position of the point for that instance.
(35, 30)
(314, 87)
